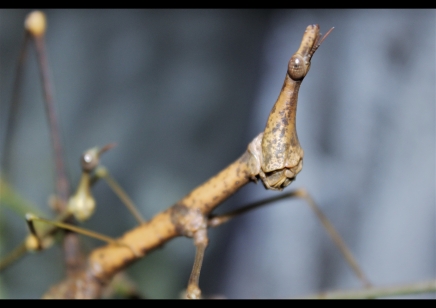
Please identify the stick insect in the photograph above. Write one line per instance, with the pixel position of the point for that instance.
(191, 215)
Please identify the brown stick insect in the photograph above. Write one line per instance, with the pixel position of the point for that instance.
(274, 157)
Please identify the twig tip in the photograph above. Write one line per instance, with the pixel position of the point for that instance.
(29, 216)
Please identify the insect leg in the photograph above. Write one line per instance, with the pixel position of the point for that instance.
(215, 221)
(201, 241)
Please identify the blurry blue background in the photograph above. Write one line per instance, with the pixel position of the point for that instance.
(183, 92)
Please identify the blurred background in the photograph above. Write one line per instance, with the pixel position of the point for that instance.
(182, 93)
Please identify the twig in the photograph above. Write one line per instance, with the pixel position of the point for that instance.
(15, 201)
(14, 107)
(35, 25)
(377, 292)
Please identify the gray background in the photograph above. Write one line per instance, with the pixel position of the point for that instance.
(182, 92)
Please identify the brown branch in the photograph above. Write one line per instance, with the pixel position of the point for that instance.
(35, 25)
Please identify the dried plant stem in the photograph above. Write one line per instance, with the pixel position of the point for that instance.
(15, 104)
(62, 185)
(377, 292)
(18, 252)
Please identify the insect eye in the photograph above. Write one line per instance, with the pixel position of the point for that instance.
(297, 68)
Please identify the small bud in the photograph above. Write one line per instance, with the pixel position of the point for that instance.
(90, 159)
(82, 203)
(35, 23)
(101, 172)
(32, 243)
(29, 216)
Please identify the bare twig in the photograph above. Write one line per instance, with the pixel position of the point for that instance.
(15, 104)
(18, 252)
(377, 292)
(35, 25)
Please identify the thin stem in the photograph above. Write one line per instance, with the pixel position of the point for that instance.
(62, 185)
(103, 173)
(36, 25)
(15, 254)
(14, 201)
(377, 292)
(15, 103)
(75, 229)
(21, 249)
